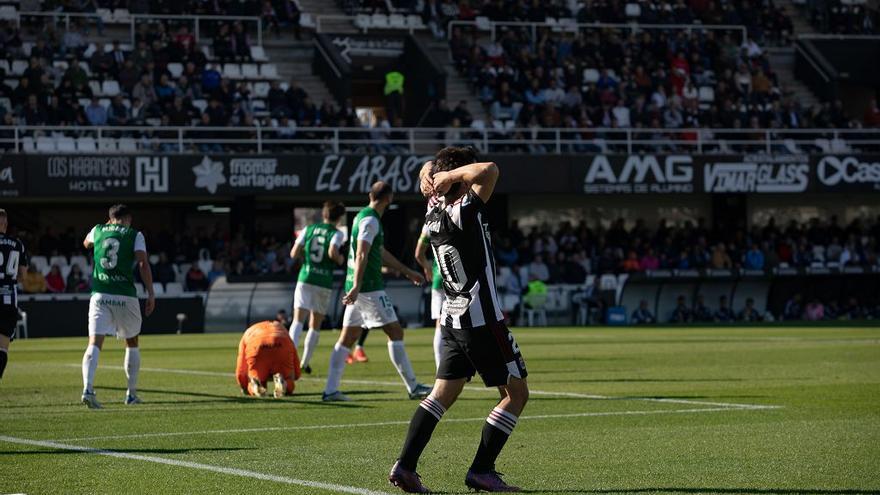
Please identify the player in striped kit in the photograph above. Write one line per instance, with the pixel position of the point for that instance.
(474, 338)
(320, 246)
(13, 264)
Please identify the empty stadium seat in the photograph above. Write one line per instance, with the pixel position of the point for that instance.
(269, 71)
(110, 88)
(58, 260)
(8, 13)
(176, 69)
(45, 144)
(415, 21)
(121, 16)
(28, 145)
(173, 289)
(4, 65)
(362, 21)
(591, 76)
(261, 89)
(258, 54)
(66, 144)
(18, 67)
(86, 144)
(307, 21)
(127, 145)
(250, 71)
(107, 145)
(158, 289)
(379, 21)
(397, 21)
(232, 71)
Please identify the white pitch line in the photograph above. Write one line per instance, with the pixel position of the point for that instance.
(390, 423)
(194, 465)
(731, 405)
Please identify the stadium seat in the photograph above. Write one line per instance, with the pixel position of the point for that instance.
(61, 65)
(58, 260)
(4, 65)
(65, 271)
(8, 13)
(232, 71)
(205, 265)
(823, 144)
(307, 21)
(180, 270)
(379, 21)
(121, 16)
(838, 145)
(200, 104)
(18, 67)
(86, 144)
(249, 71)
(397, 21)
(107, 145)
(483, 23)
(261, 89)
(173, 289)
(141, 293)
(158, 289)
(106, 15)
(81, 261)
(706, 94)
(40, 263)
(176, 69)
(46, 145)
(362, 21)
(66, 144)
(258, 54)
(269, 71)
(6, 103)
(154, 258)
(89, 51)
(127, 145)
(591, 76)
(415, 21)
(28, 145)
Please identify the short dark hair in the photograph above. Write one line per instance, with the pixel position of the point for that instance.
(119, 211)
(333, 210)
(453, 157)
(380, 190)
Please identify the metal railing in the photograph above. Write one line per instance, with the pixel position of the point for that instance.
(572, 26)
(198, 21)
(418, 140)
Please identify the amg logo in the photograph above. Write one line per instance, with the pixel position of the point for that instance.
(755, 177)
(151, 174)
(640, 174)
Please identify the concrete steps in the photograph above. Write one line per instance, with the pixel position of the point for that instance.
(782, 61)
(294, 62)
(457, 87)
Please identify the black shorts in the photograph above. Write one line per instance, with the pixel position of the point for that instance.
(489, 350)
(8, 320)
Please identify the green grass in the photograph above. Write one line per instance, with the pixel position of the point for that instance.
(823, 439)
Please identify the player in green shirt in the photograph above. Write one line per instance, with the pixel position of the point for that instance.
(438, 296)
(320, 247)
(114, 308)
(367, 305)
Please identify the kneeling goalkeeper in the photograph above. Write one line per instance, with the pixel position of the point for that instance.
(265, 350)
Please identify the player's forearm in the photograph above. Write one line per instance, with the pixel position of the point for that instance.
(392, 262)
(421, 255)
(360, 266)
(296, 251)
(476, 173)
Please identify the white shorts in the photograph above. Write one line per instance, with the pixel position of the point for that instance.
(371, 310)
(110, 314)
(437, 299)
(311, 297)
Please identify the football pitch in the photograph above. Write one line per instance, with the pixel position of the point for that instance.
(612, 411)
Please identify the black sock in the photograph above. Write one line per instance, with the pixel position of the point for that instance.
(421, 428)
(363, 338)
(499, 425)
(4, 357)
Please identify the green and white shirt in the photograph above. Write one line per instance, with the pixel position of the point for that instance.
(115, 245)
(367, 227)
(436, 276)
(317, 266)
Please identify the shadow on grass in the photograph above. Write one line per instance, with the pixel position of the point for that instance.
(759, 491)
(241, 399)
(126, 451)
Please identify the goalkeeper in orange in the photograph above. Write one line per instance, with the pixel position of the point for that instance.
(266, 350)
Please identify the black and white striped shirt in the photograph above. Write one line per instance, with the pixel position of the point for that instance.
(12, 255)
(460, 239)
